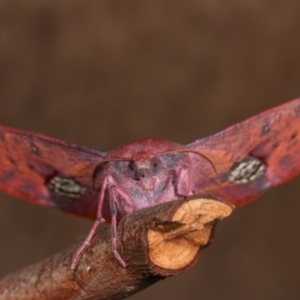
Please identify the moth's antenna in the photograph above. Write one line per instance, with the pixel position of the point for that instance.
(97, 168)
(196, 152)
(205, 157)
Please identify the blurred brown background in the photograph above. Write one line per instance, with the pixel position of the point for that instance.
(102, 73)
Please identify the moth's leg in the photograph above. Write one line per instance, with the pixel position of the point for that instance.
(181, 182)
(114, 212)
(97, 222)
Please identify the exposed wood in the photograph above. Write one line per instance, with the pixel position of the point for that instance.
(155, 242)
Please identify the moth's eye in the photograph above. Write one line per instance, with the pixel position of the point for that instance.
(156, 166)
(132, 170)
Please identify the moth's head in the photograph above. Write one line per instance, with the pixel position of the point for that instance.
(145, 171)
(143, 163)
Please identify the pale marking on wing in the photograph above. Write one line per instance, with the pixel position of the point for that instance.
(66, 186)
(247, 170)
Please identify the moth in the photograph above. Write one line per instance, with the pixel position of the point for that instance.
(237, 164)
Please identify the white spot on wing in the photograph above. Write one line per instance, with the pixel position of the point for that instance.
(66, 186)
(247, 170)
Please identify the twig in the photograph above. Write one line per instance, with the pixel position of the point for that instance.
(156, 242)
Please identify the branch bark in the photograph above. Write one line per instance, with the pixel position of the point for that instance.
(156, 242)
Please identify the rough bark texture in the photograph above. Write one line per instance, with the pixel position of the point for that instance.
(157, 242)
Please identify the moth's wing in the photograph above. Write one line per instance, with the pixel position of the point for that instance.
(48, 172)
(251, 156)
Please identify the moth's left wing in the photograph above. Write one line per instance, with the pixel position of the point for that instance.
(249, 157)
(48, 171)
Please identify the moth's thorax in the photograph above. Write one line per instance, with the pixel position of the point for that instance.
(143, 149)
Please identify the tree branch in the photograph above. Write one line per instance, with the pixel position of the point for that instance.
(156, 242)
